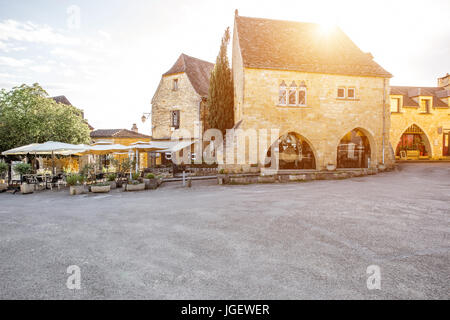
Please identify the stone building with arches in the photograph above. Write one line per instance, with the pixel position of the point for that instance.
(420, 121)
(327, 98)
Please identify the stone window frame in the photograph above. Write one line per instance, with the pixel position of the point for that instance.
(430, 104)
(399, 104)
(175, 83)
(286, 90)
(344, 91)
(354, 92)
(178, 116)
(283, 89)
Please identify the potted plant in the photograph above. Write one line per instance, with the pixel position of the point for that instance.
(150, 181)
(75, 181)
(136, 184)
(112, 180)
(102, 187)
(3, 170)
(23, 169)
(331, 166)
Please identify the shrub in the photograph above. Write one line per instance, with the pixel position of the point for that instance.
(150, 176)
(112, 177)
(74, 179)
(3, 168)
(22, 168)
(222, 171)
(135, 175)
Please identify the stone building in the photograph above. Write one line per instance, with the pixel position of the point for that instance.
(180, 99)
(420, 121)
(328, 99)
(121, 136)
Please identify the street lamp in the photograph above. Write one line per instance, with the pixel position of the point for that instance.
(145, 116)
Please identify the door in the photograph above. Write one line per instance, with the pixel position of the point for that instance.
(445, 149)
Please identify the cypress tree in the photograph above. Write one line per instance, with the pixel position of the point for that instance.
(220, 104)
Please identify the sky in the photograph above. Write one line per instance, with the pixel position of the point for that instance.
(107, 56)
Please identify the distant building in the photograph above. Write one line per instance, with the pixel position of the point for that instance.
(64, 100)
(180, 99)
(420, 120)
(121, 136)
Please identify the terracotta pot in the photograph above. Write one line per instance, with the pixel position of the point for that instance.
(135, 187)
(26, 188)
(100, 189)
(76, 190)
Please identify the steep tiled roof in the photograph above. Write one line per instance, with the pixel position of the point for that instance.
(198, 72)
(410, 92)
(62, 99)
(117, 133)
(298, 46)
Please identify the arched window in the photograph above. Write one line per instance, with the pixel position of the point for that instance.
(293, 94)
(302, 94)
(294, 153)
(354, 150)
(282, 100)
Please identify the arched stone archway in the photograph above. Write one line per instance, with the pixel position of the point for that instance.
(294, 152)
(414, 140)
(355, 149)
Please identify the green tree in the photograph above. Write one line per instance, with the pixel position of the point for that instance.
(27, 116)
(220, 104)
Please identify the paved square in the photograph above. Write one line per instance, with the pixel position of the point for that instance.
(275, 241)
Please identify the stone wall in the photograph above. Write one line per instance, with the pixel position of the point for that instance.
(428, 122)
(165, 100)
(325, 119)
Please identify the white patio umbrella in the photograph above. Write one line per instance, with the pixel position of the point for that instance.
(142, 146)
(20, 150)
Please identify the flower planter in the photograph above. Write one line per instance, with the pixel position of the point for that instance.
(3, 186)
(26, 188)
(112, 185)
(135, 187)
(151, 183)
(331, 167)
(100, 189)
(76, 190)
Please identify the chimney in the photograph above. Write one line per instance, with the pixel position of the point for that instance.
(444, 82)
(134, 128)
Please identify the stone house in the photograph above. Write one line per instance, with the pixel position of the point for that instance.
(328, 99)
(180, 99)
(122, 136)
(420, 121)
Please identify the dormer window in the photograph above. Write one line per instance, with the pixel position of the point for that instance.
(175, 84)
(282, 96)
(395, 105)
(425, 105)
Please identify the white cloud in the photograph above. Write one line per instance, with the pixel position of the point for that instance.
(33, 33)
(41, 69)
(7, 47)
(104, 34)
(12, 62)
(72, 54)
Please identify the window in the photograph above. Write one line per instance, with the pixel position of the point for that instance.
(175, 119)
(351, 93)
(341, 93)
(395, 105)
(175, 85)
(293, 94)
(302, 96)
(282, 94)
(425, 105)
